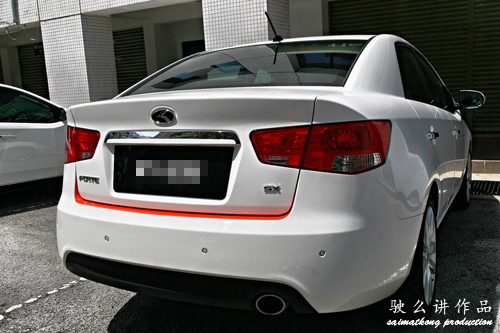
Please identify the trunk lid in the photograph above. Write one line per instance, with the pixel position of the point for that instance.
(202, 162)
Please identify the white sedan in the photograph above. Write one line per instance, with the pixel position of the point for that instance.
(309, 173)
(32, 132)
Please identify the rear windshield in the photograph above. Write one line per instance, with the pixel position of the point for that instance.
(320, 63)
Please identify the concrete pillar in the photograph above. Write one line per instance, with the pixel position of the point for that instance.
(228, 23)
(79, 58)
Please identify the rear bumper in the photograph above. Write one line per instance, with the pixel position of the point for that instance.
(178, 286)
(326, 255)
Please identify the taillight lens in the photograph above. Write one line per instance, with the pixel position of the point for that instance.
(348, 148)
(343, 148)
(80, 144)
(283, 146)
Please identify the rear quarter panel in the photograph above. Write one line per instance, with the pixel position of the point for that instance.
(411, 165)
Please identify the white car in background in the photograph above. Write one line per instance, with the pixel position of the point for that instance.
(308, 172)
(32, 137)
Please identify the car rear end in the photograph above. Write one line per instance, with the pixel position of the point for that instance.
(234, 196)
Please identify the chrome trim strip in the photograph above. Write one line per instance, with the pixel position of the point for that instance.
(217, 135)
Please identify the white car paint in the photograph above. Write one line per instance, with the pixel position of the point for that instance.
(341, 241)
(31, 150)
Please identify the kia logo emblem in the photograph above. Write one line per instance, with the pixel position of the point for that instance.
(163, 116)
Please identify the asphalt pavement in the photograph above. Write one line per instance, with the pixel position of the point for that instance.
(37, 294)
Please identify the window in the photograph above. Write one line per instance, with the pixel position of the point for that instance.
(442, 98)
(324, 63)
(414, 83)
(420, 81)
(20, 108)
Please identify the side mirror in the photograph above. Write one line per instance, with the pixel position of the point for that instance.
(470, 99)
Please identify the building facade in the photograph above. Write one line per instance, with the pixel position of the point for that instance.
(78, 51)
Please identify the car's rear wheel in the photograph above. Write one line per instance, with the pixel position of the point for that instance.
(423, 271)
(428, 252)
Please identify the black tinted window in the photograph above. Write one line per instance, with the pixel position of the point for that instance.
(20, 108)
(323, 63)
(442, 97)
(414, 83)
(420, 81)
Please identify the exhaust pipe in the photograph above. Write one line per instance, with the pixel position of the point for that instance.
(270, 305)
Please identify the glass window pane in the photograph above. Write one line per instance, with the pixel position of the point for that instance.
(442, 98)
(414, 83)
(20, 108)
(323, 63)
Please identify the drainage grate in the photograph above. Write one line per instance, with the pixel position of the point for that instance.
(485, 187)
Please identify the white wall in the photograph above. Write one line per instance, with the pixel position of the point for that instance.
(228, 23)
(170, 36)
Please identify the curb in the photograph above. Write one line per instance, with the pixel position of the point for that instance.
(486, 170)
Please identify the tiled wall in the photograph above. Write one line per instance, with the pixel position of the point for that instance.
(28, 11)
(228, 23)
(5, 13)
(50, 9)
(88, 6)
(83, 70)
(66, 67)
(100, 57)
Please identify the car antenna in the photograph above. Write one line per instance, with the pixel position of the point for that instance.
(277, 38)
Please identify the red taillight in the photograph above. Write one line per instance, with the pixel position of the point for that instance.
(348, 148)
(80, 144)
(281, 146)
(344, 148)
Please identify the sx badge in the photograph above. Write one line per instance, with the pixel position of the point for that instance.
(272, 189)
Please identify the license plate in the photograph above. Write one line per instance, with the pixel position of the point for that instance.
(192, 172)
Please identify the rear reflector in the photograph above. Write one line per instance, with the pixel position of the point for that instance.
(80, 144)
(342, 148)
